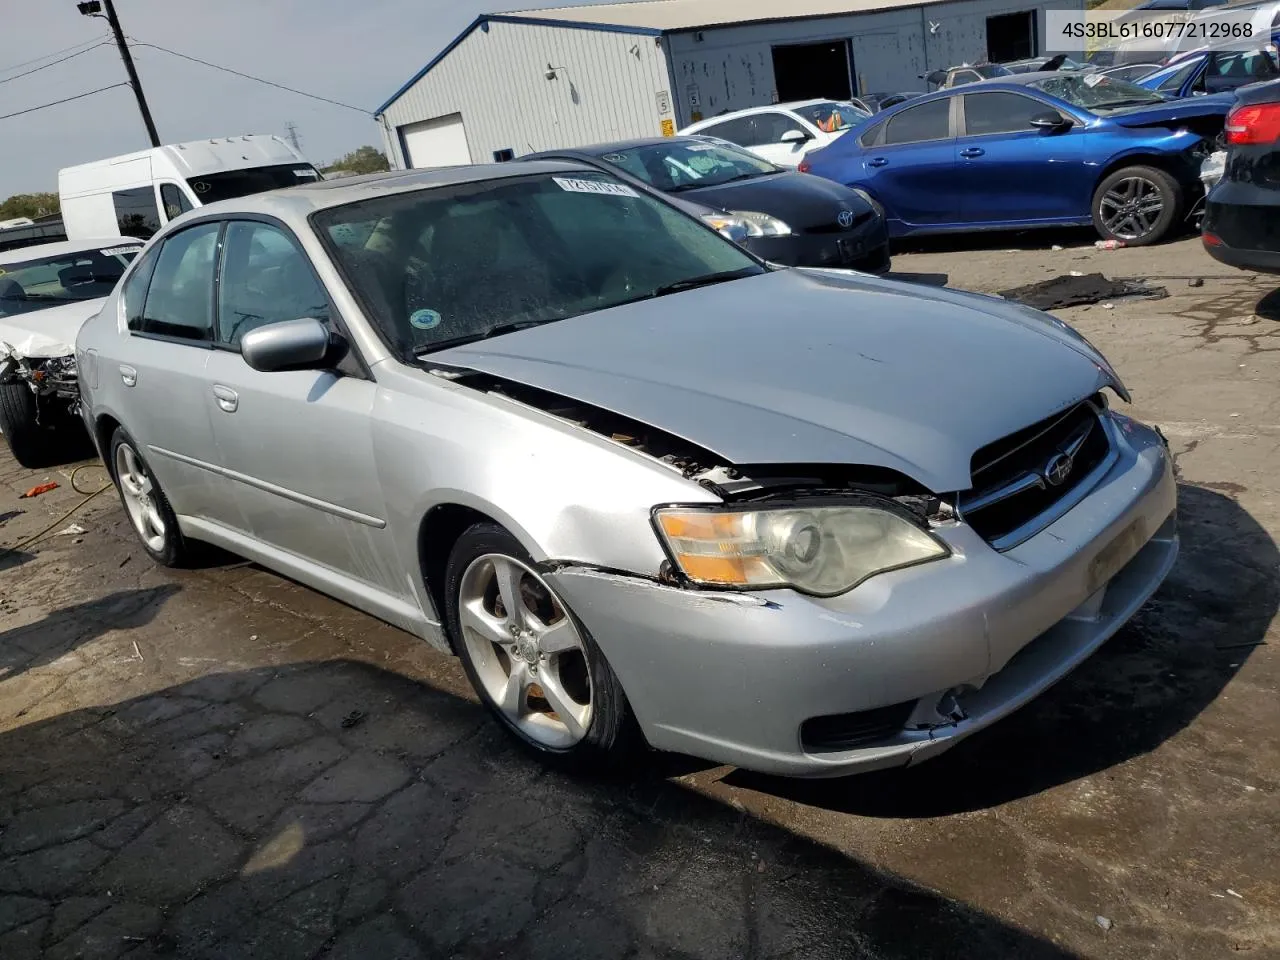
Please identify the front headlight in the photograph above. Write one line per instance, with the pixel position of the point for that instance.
(821, 550)
(727, 225)
(872, 202)
(761, 224)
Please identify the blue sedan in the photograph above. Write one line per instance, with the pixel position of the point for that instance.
(1034, 150)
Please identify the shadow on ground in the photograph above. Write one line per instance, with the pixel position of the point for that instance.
(1143, 687)
(237, 816)
(36, 644)
(1066, 237)
(1269, 306)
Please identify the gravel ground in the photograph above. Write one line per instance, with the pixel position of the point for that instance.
(220, 763)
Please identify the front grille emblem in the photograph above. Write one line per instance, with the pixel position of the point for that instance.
(1058, 469)
(845, 219)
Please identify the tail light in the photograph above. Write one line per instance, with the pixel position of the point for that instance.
(1212, 240)
(1254, 123)
(805, 166)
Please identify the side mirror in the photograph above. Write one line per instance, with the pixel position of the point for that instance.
(796, 136)
(289, 345)
(1050, 121)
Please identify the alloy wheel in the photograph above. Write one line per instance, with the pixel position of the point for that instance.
(1131, 208)
(526, 650)
(139, 497)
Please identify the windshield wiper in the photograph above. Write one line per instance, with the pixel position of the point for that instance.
(497, 331)
(719, 183)
(705, 281)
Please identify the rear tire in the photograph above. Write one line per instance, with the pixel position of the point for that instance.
(563, 701)
(1137, 206)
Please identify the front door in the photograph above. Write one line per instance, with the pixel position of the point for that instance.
(297, 444)
(1009, 171)
(769, 138)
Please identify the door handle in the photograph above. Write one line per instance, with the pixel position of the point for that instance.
(970, 152)
(877, 162)
(227, 398)
(128, 375)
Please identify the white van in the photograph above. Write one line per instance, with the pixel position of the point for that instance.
(134, 195)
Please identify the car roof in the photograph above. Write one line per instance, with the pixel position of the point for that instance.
(303, 200)
(41, 250)
(766, 108)
(597, 149)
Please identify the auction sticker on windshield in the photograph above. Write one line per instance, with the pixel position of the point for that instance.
(594, 186)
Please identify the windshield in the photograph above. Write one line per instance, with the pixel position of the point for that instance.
(81, 275)
(678, 165)
(831, 117)
(212, 187)
(440, 266)
(989, 70)
(1096, 92)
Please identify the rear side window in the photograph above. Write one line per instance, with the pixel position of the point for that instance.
(136, 212)
(175, 201)
(735, 131)
(928, 121)
(134, 292)
(265, 279)
(986, 113)
(180, 299)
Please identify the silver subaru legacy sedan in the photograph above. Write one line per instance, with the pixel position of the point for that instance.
(649, 489)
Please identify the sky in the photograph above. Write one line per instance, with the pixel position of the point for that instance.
(355, 51)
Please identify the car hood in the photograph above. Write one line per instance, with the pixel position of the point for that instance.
(50, 332)
(802, 201)
(1188, 108)
(812, 366)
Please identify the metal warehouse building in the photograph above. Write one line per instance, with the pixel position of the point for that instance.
(514, 83)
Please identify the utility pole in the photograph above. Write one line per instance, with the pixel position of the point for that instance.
(291, 135)
(94, 8)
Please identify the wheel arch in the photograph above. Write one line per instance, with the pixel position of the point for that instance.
(1161, 161)
(104, 428)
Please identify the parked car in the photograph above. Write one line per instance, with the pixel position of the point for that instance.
(1038, 149)
(645, 487)
(965, 73)
(875, 102)
(137, 193)
(1242, 213)
(1156, 8)
(785, 217)
(785, 132)
(1211, 71)
(46, 293)
(1038, 64)
(1132, 72)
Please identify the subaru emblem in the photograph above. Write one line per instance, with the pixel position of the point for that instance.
(1058, 469)
(846, 218)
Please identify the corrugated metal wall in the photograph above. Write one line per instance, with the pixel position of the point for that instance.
(732, 67)
(612, 86)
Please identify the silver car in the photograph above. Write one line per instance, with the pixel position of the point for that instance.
(648, 488)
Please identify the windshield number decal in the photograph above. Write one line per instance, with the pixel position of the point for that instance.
(1093, 79)
(574, 185)
(115, 251)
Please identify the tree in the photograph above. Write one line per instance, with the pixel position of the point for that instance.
(29, 205)
(364, 160)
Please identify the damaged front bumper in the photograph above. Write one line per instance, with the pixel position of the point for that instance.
(907, 664)
(45, 376)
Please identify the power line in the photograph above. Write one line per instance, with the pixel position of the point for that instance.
(78, 96)
(24, 63)
(19, 76)
(247, 76)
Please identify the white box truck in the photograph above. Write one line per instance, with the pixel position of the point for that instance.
(134, 195)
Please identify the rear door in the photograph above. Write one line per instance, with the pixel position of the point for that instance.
(908, 163)
(1009, 171)
(296, 444)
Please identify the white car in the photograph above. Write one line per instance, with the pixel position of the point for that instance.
(784, 132)
(47, 292)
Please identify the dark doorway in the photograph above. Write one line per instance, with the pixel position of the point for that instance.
(808, 71)
(1011, 36)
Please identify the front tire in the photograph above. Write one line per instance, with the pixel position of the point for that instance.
(532, 662)
(36, 445)
(147, 507)
(1137, 206)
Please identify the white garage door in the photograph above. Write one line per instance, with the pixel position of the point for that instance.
(436, 143)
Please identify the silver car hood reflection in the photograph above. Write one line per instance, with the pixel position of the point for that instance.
(811, 366)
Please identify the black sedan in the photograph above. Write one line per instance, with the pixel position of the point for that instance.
(1242, 213)
(785, 217)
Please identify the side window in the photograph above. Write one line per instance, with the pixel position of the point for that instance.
(136, 212)
(265, 278)
(986, 113)
(964, 76)
(134, 292)
(180, 300)
(175, 201)
(770, 127)
(1175, 80)
(928, 121)
(735, 131)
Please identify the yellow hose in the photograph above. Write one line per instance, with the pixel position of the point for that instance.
(66, 516)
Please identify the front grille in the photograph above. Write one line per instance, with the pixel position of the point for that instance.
(1023, 476)
(844, 731)
(835, 227)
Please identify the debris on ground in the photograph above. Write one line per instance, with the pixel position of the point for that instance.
(74, 530)
(1109, 244)
(1055, 247)
(1196, 282)
(352, 718)
(1232, 893)
(1076, 273)
(1076, 289)
(37, 491)
(1103, 922)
